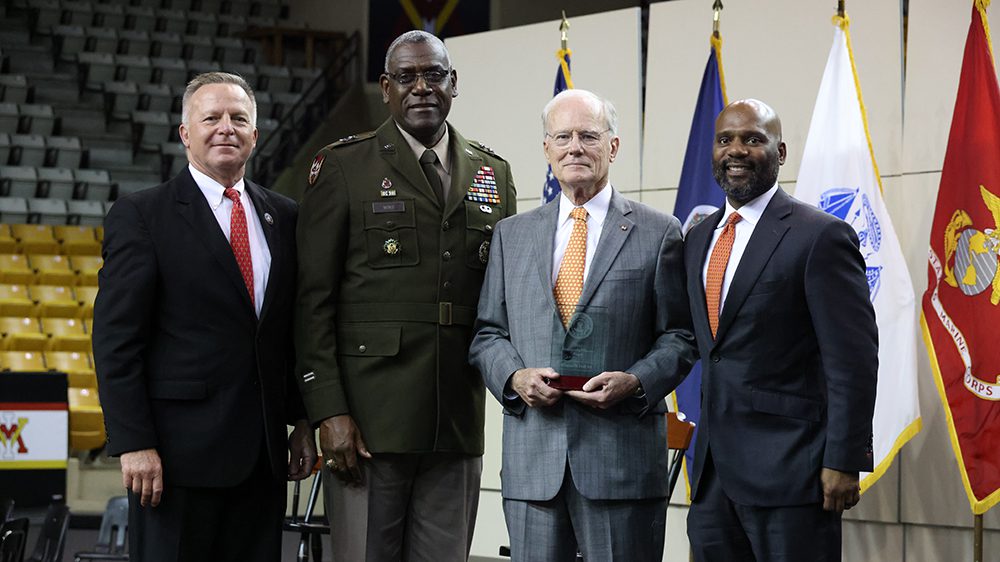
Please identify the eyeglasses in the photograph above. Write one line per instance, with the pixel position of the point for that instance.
(435, 76)
(589, 139)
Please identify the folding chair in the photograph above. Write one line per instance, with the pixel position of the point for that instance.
(6, 510)
(52, 539)
(12, 541)
(679, 434)
(311, 532)
(111, 537)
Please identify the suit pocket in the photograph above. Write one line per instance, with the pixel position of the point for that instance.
(391, 233)
(623, 274)
(788, 405)
(178, 390)
(766, 287)
(479, 227)
(382, 341)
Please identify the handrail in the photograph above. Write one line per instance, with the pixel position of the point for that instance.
(278, 150)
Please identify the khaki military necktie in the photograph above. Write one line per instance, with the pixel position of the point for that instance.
(427, 161)
(569, 281)
(717, 270)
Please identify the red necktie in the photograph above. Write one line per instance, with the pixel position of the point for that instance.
(717, 270)
(240, 240)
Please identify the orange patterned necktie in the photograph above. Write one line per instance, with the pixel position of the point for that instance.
(569, 281)
(240, 240)
(717, 270)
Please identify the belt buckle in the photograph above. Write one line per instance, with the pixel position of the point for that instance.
(444, 313)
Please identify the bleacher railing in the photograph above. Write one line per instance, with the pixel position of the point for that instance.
(278, 150)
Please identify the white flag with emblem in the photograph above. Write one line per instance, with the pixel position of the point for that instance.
(839, 175)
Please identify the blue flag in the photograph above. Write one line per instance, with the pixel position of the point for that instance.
(698, 195)
(551, 190)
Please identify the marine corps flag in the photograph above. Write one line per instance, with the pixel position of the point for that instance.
(839, 175)
(961, 308)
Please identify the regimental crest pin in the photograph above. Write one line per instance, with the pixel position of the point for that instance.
(268, 219)
(484, 252)
(391, 247)
(387, 190)
(317, 165)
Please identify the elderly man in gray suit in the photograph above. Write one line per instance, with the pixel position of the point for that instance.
(583, 329)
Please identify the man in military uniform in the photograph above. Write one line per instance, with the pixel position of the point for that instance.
(393, 237)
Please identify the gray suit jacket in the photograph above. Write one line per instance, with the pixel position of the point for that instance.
(637, 278)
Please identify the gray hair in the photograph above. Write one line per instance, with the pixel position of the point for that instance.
(413, 37)
(217, 78)
(608, 111)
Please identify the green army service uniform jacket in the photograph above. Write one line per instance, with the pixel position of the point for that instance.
(388, 289)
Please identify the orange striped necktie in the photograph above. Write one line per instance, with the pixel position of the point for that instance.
(717, 270)
(569, 281)
(239, 239)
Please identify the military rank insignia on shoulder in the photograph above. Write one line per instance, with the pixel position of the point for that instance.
(351, 139)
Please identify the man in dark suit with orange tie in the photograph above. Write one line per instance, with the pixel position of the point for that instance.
(192, 343)
(787, 337)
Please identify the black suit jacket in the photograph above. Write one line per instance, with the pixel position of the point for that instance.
(788, 384)
(183, 363)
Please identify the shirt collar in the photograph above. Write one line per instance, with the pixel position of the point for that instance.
(214, 191)
(752, 210)
(440, 148)
(597, 207)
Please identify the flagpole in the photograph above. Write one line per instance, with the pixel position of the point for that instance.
(563, 28)
(716, 12)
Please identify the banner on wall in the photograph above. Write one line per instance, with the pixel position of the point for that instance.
(699, 195)
(961, 307)
(564, 81)
(839, 175)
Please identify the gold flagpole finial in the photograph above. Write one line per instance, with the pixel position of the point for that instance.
(840, 8)
(563, 28)
(717, 11)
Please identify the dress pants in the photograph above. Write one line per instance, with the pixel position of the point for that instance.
(602, 530)
(409, 507)
(721, 530)
(236, 524)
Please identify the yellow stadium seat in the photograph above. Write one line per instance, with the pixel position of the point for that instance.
(86, 296)
(22, 334)
(15, 300)
(86, 268)
(35, 238)
(77, 240)
(14, 268)
(76, 365)
(54, 301)
(30, 361)
(86, 420)
(52, 269)
(99, 232)
(66, 334)
(8, 245)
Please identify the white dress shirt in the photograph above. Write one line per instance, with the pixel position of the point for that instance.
(597, 210)
(750, 213)
(443, 165)
(222, 208)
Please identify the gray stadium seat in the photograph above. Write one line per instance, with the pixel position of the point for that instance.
(155, 97)
(68, 40)
(283, 103)
(27, 150)
(94, 185)
(230, 25)
(207, 6)
(101, 40)
(264, 104)
(96, 69)
(121, 99)
(302, 78)
(13, 88)
(266, 9)
(77, 13)
(46, 14)
(202, 23)
(237, 7)
(56, 183)
(173, 158)
(10, 118)
(232, 50)
(274, 78)
(13, 210)
(140, 17)
(134, 68)
(166, 45)
(247, 71)
(169, 70)
(134, 42)
(64, 152)
(4, 148)
(109, 15)
(172, 21)
(199, 47)
(87, 213)
(150, 129)
(196, 67)
(36, 119)
(47, 211)
(18, 181)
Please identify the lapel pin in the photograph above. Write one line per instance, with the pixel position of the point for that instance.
(268, 219)
(469, 152)
(624, 228)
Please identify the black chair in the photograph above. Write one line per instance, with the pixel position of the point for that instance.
(311, 541)
(52, 539)
(11, 546)
(112, 534)
(14, 533)
(6, 509)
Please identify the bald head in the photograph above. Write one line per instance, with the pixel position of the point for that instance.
(748, 150)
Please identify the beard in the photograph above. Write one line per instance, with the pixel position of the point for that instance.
(756, 182)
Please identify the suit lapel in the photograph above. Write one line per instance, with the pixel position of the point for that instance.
(264, 209)
(465, 162)
(698, 240)
(396, 152)
(616, 230)
(544, 238)
(766, 236)
(192, 206)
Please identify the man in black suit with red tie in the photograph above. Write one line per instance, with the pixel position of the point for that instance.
(192, 343)
(787, 336)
